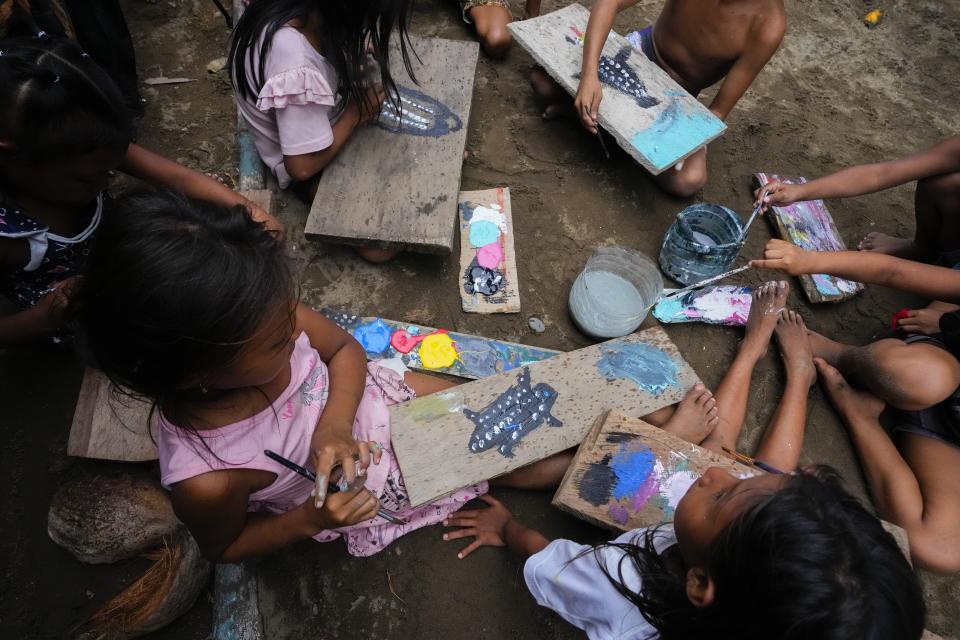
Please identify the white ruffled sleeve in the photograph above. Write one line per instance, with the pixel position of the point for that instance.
(300, 86)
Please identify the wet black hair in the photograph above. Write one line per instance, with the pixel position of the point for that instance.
(346, 29)
(173, 290)
(808, 561)
(56, 102)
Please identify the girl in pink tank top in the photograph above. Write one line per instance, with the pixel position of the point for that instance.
(193, 306)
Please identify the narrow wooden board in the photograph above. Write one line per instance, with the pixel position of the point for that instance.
(631, 474)
(504, 295)
(546, 408)
(477, 357)
(810, 226)
(657, 122)
(399, 190)
(110, 425)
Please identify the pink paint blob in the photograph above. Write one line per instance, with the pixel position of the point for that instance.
(645, 491)
(490, 255)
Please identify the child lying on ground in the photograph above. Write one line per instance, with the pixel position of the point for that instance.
(915, 483)
(937, 211)
(698, 43)
(64, 127)
(772, 556)
(307, 74)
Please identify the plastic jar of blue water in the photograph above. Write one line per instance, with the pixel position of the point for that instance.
(614, 292)
(701, 243)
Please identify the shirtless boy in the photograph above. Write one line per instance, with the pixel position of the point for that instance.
(698, 43)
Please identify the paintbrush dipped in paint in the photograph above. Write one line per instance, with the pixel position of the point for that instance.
(753, 462)
(332, 488)
(756, 210)
(703, 283)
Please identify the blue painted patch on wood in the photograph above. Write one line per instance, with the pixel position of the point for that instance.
(675, 133)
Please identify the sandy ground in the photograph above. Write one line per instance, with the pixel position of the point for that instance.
(835, 94)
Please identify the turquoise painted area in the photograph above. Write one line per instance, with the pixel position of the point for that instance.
(483, 233)
(668, 309)
(675, 133)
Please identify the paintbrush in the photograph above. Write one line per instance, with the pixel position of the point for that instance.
(603, 144)
(756, 210)
(753, 462)
(333, 488)
(703, 283)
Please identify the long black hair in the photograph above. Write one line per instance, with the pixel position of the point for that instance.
(173, 290)
(347, 27)
(57, 102)
(808, 561)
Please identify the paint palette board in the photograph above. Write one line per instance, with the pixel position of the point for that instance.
(473, 357)
(483, 429)
(488, 263)
(810, 226)
(651, 116)
(629, 474)
(727, 305)
(395, 184)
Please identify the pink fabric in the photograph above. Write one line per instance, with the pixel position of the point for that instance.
(292, 114)
(286, 428)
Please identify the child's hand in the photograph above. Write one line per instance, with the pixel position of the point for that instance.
(587, 102)
(777, 194)
(260, 214)
(786, 257)
(921, 321)
(370, 108)
(51, 310)
(486, 526)
(342, 509)
(331, 448)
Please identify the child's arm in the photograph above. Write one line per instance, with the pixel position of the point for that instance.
(214, 507)
(941, 158)
(161, 172)
(304, 166)
(346, 361)
(590, 93)
(46, 317)
(494, 527)
(765, 37)
(937, 283)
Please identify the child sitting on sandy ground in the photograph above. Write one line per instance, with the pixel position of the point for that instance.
(490, 19)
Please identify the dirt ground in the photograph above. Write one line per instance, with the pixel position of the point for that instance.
(835, 94)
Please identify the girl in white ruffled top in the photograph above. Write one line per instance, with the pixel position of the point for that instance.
(301, 73)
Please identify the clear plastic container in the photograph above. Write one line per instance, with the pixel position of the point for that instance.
(614, 292)
(702, 242)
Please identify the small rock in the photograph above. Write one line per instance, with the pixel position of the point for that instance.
(536, 324)
(217, 65)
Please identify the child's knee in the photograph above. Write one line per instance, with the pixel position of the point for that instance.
(685, 183)
(917, 376)
(491, 22)
(945, 186)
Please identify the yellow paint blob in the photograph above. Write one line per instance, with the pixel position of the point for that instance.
(437, 351)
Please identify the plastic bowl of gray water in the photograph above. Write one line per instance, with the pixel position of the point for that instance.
(614, 292)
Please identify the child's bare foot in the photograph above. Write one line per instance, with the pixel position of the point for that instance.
(768, 301)
(853, 405)
(877, 242)
(555, 101)
(795, 347)
(695, 417)
(823, 347)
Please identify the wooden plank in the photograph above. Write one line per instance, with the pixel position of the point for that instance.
(236, 602)
(810, 226)
(651, 116)
(488, 261)
(109, 426)
(396, 186)
(631, 474)
(476, 356)
(454, 438)
(114, 426)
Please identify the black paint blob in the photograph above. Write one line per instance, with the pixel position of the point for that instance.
(477, 279)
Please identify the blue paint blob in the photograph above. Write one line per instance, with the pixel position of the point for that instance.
(633, 469)
(481, 358)
(373, 336)
(650, 368)
(483, 232)
(675, 133)
(668, 309)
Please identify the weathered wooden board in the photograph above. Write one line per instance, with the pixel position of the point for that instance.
(473, 357)
(109, 426)
(489, 427)
(629, 474)
(395, 185)
(488, 263)
(651, 116)
(113, 426)
(810, 226)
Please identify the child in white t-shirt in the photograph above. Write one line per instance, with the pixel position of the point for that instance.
(789, 555)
